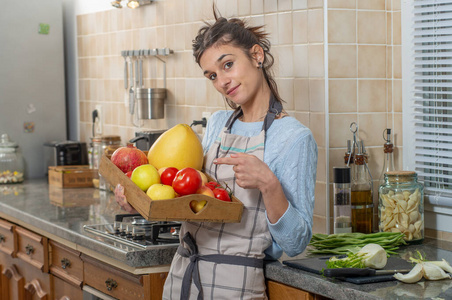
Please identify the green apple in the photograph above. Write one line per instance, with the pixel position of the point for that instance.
(144, 176)
(161, 191)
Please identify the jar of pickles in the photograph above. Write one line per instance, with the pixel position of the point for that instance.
(401, 205)
(11, 161)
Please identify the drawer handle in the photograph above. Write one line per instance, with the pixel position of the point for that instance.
(65, 263)
(2, 238)
(29, 249)
(111, 284)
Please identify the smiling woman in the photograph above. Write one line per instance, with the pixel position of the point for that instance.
(268, 160)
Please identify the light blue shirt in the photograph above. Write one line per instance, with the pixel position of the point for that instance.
(291, 154)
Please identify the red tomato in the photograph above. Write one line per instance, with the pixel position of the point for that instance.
(168, 175)
(221, 194)
(187, 181)
(128, 174)
(213, 185)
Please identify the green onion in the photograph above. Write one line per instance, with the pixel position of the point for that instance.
(344, 243)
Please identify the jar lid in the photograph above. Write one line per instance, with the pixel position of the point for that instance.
(401, 173)
(341, 174)
(106, 138)
(5, 142)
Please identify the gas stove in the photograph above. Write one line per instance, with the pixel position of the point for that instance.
(132, 232)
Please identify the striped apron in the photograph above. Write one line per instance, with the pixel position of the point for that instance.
(225, 260)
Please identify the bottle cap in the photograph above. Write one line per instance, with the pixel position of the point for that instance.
(341, 175)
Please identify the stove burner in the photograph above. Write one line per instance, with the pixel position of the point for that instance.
(134, 230)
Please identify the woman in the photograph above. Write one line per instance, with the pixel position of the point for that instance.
(267, 158)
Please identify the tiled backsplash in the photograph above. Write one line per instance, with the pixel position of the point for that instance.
(361, 63)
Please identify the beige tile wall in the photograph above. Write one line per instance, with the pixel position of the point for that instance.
(363, 67)
(364, 79)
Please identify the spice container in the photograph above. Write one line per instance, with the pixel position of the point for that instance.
(11, 161)
(401, 205)
(342, 197)
(104, 144)
(388, 149)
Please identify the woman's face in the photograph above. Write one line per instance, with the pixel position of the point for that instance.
(232, 73)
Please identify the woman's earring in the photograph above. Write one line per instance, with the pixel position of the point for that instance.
(259, 65)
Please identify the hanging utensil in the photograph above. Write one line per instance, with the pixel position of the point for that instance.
(131, 91)
(126, 79)
(141, 68)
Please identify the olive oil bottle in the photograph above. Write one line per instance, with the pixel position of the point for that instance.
(361, 196)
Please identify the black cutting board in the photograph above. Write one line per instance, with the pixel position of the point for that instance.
(315, 265)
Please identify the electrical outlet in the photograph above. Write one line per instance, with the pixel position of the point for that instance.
(206, 114)
(100, 119)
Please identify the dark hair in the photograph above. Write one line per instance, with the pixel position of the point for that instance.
(238, 33)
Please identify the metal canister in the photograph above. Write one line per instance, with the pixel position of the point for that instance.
(104, 144)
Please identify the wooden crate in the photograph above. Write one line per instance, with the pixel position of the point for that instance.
(177, 209)
(72, 176)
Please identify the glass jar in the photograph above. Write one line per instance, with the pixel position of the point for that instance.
(342, 202)
(104, 144)
(11, 161)
(401, 205)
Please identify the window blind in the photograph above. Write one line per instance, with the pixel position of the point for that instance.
(432, 45)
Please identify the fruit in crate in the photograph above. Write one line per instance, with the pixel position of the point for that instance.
(167, 175)
(178, 147)
(144, 176)
(221, 194)
(203, 177)
(187, 181)
(204, 190)
(197, 206)
(212, 185)
(160, 191)
(128, 158)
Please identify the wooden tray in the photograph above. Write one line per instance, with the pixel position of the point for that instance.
(177, 209)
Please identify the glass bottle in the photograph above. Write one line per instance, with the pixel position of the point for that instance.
(104, 144)
(361, 200)
(401, 205)
(11, 161)
(342, 200)
(388, 161)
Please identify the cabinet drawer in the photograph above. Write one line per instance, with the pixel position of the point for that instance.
(7, 238)
(32, 248)
(112, 281)
(64, 290)
(66, 263)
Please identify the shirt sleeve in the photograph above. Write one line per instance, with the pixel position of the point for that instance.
(293, 231)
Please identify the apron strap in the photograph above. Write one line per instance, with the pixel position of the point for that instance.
(274, 109)
(192, 271)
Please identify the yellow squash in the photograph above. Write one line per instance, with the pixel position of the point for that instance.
(177, 147)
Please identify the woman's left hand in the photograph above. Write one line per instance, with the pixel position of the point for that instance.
(250, 171)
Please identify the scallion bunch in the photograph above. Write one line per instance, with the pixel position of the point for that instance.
(344, 243)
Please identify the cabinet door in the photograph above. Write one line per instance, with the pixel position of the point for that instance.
(66, 263)
(279, 291)
(12, 283)
(65, 290)
(112, 281)
(33, 249)
(8, 243)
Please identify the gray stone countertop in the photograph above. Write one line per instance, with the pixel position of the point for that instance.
(62, 213)
(54, 211)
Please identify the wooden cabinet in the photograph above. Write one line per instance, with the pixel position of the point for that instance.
(8, 243)
(120, 284)
(279, 291)
(66, 267)
(32, 248)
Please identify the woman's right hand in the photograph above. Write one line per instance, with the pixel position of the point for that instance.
(122, 201)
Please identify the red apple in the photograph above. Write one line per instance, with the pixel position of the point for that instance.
(128, 158)
(204, 190)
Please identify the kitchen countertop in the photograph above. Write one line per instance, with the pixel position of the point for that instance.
(60, 214)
